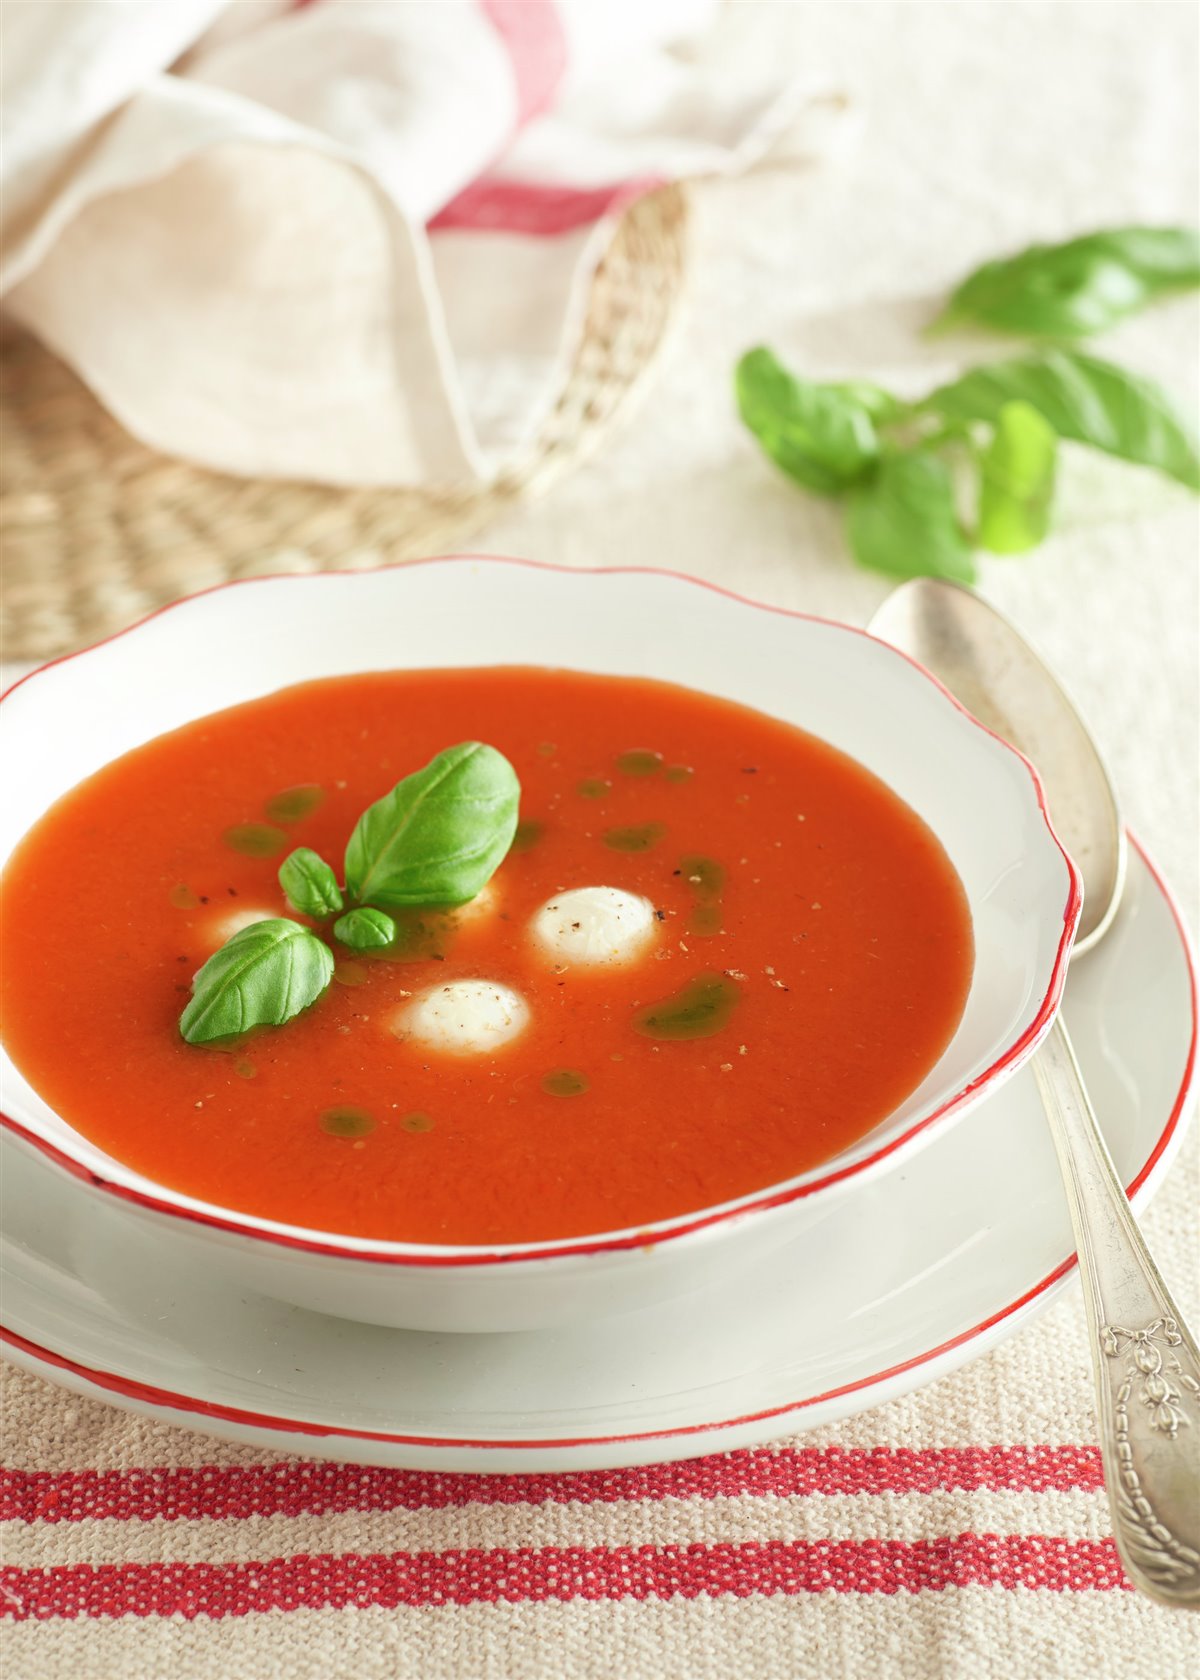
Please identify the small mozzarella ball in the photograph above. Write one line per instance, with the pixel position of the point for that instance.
(223, 928)
(464, 1018)
(594, 925)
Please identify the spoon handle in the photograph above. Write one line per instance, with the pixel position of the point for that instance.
(1143, 1355)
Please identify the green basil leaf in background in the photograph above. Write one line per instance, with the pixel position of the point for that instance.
(365, 930)
(820, 435)
(1084, 399)
(309, 884)
(264, 975)
(1080, 287)
(881, 405)
(439, 835)
(1017, 485)
(903, 521)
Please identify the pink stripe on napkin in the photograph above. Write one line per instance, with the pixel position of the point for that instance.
(536, 208)
(533, 36)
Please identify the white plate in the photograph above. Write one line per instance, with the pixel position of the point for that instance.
(951, 1253)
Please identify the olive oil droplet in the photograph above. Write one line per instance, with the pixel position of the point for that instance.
(256, 840)
(639, 762)
(699, 1009)
(564, 1082)
(347, 1122)
(639, 837)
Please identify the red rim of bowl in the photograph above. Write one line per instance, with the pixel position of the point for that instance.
(146, 1394)
(401, 1254)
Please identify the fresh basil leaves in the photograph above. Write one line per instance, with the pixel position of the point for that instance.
(439, 835)
(1077, 288)
(912, 472)
(823, 436)
(264, 975)
(902, 520)
(365, 930)
(309, 884)
(1016, 486)
(436, 838)
(1084, 399)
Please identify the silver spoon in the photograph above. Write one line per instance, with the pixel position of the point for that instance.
(1144, 1356)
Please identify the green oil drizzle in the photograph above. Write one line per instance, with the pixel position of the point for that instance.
(678, 773)
(698, 1010)
(638, 838)
(593, 787)
(244, 1069)
(528, 833)
(256, 840)
(294, 803)
(706, 877)
(416, 1122)
(640, 762)
(183, 898)
(706, 919)
(564, 1082)
(350, 973)
(347, 1122)
(546, 749)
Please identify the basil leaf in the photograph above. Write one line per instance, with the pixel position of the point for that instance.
(903, 521)
(439, 835)
(1017, 486)
(821, 435)
(1084, 399)
(309, 884)
(365, 930)
(264, 975)
(1080, 287)
(881, 405)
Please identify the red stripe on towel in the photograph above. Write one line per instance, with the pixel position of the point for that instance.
(554, 1574)
(540, 209)
(321, 1489)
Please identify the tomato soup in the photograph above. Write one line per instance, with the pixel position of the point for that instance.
(808, 961)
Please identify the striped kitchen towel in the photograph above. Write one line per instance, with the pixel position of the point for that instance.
(351, 241)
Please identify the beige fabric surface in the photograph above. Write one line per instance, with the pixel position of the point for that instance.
(988, 125)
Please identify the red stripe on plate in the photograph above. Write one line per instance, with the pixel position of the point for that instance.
(561, 1574)
(320, 1489)
(533, 37)
(538, 208)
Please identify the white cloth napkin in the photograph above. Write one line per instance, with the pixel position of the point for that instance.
(351, 240)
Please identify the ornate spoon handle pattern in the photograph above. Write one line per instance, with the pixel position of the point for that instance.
(1144, 1358)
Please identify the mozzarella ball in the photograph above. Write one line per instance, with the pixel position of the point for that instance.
(223, 928)
(464, 1017)
(594, 925)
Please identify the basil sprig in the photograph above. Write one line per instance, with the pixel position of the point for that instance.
(436, 838)
(1079, 287)
(974, 463)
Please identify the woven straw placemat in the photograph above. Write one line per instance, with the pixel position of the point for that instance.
(98, 529)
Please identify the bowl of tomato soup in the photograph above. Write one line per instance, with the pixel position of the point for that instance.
(772, 910)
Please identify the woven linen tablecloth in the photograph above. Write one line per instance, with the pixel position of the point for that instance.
(961, 1531)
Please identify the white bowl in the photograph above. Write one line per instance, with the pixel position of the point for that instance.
(980, 797)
